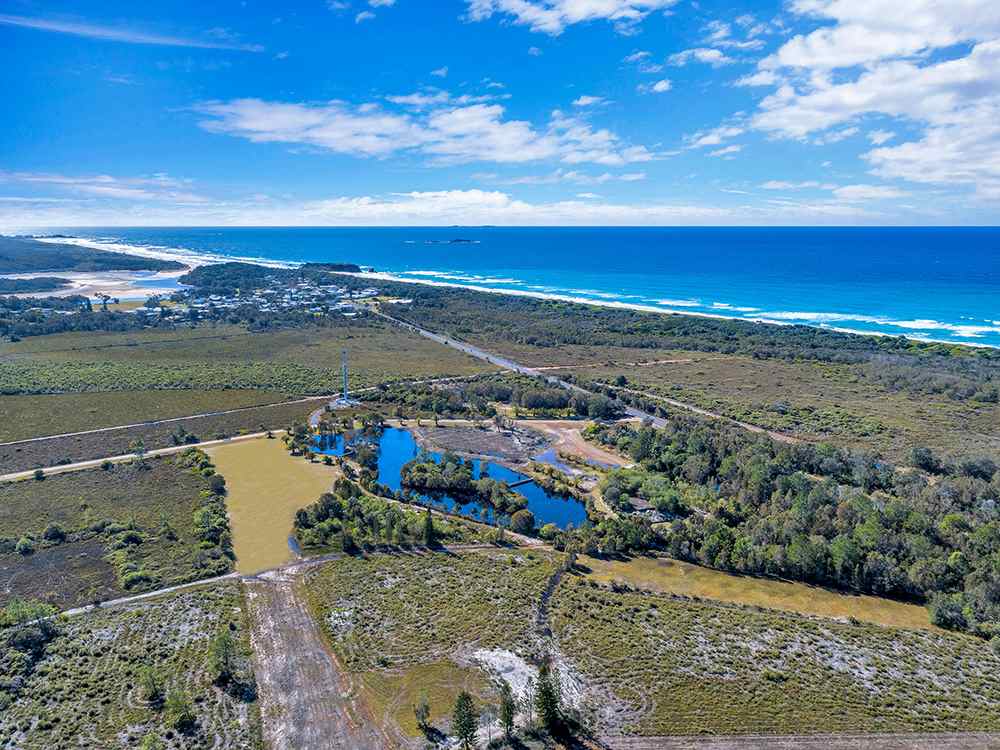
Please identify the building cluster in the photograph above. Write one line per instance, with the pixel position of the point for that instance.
(304, 296)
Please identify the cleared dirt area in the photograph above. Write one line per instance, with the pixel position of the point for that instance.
(518, 445)
(566, 437)
(676, 577)
(307, 702)
(266, 486)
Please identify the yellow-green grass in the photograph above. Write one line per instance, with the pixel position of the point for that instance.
(23, 417)
(266, 485)
(676, 666)
(407, 622)
(817, 401)
(677, 577)
(392, 695)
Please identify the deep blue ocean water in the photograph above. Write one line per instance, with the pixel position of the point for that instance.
(934, 283)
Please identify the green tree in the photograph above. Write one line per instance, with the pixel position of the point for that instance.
(149, 684)
(422, 711)
(179, 711)
(465, 720)
(430, 534)
(523, 521)
(547, 698)
(152, 741)
(222, 656)
(508, 709)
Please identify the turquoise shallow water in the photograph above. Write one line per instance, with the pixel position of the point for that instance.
(935, 283)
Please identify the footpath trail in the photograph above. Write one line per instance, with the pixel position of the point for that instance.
(307, 701)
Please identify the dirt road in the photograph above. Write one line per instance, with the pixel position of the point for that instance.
(307, 702)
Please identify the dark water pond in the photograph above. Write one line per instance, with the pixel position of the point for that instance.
(398, 446)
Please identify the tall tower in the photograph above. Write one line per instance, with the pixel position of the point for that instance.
(343, 369)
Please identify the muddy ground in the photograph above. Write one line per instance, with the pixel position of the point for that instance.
(516, 446)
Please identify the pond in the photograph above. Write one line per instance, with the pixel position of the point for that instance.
(397, 446)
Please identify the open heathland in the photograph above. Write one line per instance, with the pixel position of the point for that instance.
(298, 361)
(70, 449)
(113, 677)
(680, 666)
(88, 535)
(814, 401)
(411, 622)
(25, 417)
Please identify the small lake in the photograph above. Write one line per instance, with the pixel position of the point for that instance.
(397, 446)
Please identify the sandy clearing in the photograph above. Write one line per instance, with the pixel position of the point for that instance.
(566, 437)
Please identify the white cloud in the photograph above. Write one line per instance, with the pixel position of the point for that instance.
(867, 31)
(365, 15)
(715, 136)
(760, 78)
(878, 137)
(805, 185)
(572, 176)
(127, 35)
(661, 86)
(381, 3)
(707, 55)
(441, 72)
(587, 196)
(868, 192)
(880, 58)
(157, 187)
(448, 131)
(553, 16)
(727, 150)
(534, 51)
(588, 101)
(637, 56)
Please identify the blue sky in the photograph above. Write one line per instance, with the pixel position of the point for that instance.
(372, 112)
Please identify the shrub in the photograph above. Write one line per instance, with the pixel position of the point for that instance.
(523, 521)
(25, 546)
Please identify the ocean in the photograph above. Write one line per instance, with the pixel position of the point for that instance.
(939, 284)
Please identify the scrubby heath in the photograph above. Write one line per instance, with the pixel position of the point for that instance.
(25, 255)
(745, 503)
(35, 284)
(681, 666)
(63, 450)
(175, 669)
(409, 623)
(85, 536)
(299, 361)
(888, 393)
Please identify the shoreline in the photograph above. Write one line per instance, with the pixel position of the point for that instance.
(194, 259)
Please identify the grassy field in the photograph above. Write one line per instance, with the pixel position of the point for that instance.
(409, 622)
(23, 417)
(126, 529)
(266, 486)
(680, 666)
(84, 689)
(816, 401)
(677, 577)
(97, 445)
(301, 361)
